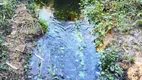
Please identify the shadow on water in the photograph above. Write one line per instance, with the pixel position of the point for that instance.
(63, 9)
(66, 51)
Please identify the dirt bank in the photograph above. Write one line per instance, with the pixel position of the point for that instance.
(129, 46)
(19, 43)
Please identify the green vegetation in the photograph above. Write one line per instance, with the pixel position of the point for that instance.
(34, 9)
(43, 25)
(7, 10)
(3, 55)
(110, 70)
(106, 15)
(66, 15)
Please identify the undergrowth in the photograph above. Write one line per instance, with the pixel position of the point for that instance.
(3, 55)
(109, 68)
(34, 7)
(7, 10)
(106, 15)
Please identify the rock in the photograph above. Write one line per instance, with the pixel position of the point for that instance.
(135, 72)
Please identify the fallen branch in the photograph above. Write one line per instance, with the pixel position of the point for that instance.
(12, 66)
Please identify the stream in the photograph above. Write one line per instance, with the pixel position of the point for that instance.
(65, 52)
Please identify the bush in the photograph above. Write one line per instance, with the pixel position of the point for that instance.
(110, 70)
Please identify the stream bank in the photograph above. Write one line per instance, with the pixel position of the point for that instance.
(127, 44)
(19, 42)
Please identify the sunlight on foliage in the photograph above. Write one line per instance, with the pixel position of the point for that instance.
(106, 15)
(110, 70)
(43, 25)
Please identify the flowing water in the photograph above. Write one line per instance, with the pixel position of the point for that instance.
(65, 52)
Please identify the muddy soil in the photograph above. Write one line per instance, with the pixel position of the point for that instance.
(19, 43)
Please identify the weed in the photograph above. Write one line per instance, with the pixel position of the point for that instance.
(3, 55)
(7, 10)
(131, 59)
(110, 70)
(106, 15)
(43, 25)
(34, 8)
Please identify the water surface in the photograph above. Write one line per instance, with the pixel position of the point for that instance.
(65, 52)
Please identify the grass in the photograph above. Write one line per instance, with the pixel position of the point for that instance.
(7, 10)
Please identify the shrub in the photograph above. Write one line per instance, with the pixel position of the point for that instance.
(109, 68)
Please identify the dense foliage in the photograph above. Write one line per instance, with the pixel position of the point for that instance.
(110, 70)
(106, 15)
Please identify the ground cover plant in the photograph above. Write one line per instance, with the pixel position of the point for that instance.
(107, 15)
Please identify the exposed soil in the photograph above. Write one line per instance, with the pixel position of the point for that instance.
(25, 29)
(129, 46)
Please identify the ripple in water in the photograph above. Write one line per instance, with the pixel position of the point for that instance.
(65, 52)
